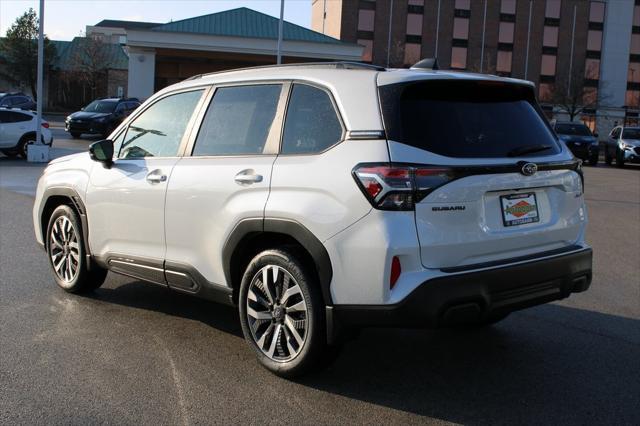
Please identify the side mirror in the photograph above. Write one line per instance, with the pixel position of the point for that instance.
(595, 134)
(102, 151)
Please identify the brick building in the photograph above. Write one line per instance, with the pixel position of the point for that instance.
(583, 55)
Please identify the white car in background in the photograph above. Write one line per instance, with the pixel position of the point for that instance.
(18, 129)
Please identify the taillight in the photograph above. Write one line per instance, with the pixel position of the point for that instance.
(45, 125)
(398, 187)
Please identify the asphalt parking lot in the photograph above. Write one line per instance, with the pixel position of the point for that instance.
(133, 353)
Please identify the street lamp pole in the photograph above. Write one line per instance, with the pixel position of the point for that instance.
(280, 25)
(38, 152)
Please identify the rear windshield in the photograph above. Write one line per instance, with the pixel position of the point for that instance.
(101, 106)
(572, 129)
(466, 118)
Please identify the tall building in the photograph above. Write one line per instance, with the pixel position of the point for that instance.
(583, 55)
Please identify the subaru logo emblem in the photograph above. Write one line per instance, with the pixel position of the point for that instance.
(529, 169)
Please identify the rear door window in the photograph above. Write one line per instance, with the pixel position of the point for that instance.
(238, 120)
(467, 119)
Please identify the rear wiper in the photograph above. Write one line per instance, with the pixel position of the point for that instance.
(528, 150)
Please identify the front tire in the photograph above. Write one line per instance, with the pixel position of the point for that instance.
(608, 159)
(619, 158)
(282, 313)
(66, 253)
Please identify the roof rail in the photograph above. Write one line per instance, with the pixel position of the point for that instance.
(347, 65)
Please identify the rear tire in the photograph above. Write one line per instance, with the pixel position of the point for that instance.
(22, 145)
(593, 160)
(66, 253)
(75, 135)
(283, 315)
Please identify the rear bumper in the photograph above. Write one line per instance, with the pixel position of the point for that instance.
(474, 296)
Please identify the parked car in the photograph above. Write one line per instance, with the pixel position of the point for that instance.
(100, 117)
(580, 140)
(318, 198)
(17, 100)
(18, 129)
(623, 145)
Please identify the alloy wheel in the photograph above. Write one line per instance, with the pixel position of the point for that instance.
(277, 313)
(64, 249)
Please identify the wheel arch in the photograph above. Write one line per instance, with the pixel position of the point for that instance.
(57, 196)
(250, 236)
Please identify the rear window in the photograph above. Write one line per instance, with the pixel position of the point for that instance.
(466, 119)
(572, 129)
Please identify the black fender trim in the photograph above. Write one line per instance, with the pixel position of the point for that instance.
(297, 231)
(78, 204)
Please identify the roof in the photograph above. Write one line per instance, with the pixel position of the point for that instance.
(128, 25)
(244, 22)
(67, 52)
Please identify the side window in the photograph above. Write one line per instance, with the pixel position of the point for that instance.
(121, 107)
(238, 120)
(158, 131)
(5, 102)
(16, 117)
(312, 124)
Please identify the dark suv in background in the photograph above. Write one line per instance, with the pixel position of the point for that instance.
(17, 100)
(579, 139)
(100, 117)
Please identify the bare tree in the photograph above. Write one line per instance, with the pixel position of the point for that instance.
(572, 97)
(89, 63)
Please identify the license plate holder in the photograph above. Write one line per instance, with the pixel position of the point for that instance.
(519, 209)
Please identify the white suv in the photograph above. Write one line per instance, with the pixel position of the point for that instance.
(323, 197)
(18, 129)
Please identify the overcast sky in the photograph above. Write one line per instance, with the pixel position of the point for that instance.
(65, 19)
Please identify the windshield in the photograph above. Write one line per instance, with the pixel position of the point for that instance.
(101, 106)
(631, 134)
(573, 129)
(464, 118)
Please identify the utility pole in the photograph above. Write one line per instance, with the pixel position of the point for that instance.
(526, 58)
(484, 27)
(280, 24)
(389, 36)
(38, 152)
(573, 36)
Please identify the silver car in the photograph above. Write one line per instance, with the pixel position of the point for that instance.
(623, 144)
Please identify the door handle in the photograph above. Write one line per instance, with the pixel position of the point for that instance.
(156, 176)
(247, 177)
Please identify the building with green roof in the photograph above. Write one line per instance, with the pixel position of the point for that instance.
(163, 54)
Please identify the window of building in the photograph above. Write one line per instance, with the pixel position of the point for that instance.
(632, 98)
(158, 131)
(594, 40)
(414, 24)
(238, 120)
(461, 28)
(463, 4)
(411, 53)
(596, 12)
(635, 44)
(550, 37)
(367, 53)
(503, 63)
(545, 91)
(459, 57)
(592, 69)
(508, 7)
(311, 125)
(552, 9)
(416, 2)
(636, 16)
(505, 32)
(633, 75)
(548, 66)
(590, 96)
(589, 121)
(366, 19)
